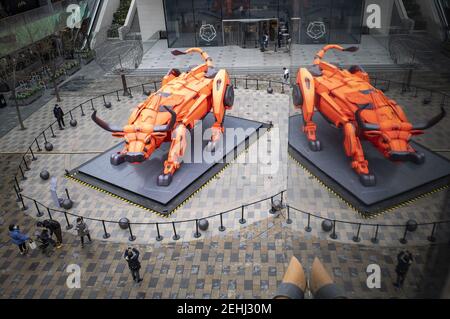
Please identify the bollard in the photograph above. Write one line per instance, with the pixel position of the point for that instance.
(221, 227)
(92, 105)
(159, 237)
(242, 221)
(288, 220)
(404, 240)
(39, 213)
(132, 237)
(17, 184)
(374, 240)
(235, 83)
(117, 93)
(82, 111)
(24, 207)
(53, 132)
(37, 144)
(33, 158)
(143, 90)
(49, 214)
(106, 235)
(25, 163)
(155, 86)
(17, 193)
(246, 83)
(432, 238)
(21, 172)
(308, 227)
(333, 234)
(197, 233)
(69, 226)
(257, 84)
(356, 238)
(175, 235)
(67, 193)
(45, 137)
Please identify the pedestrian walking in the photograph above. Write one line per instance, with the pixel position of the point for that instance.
(18, 238)
(286, 75)
(54, 227)
(59, 115)
(404, 261)
(131, 255)
(82, 230)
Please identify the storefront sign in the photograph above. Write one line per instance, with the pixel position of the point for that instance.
(208, 32)
(316, 30)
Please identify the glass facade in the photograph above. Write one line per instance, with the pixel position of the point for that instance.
(245, 22)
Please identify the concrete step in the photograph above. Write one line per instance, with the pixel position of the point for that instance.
(267, 69)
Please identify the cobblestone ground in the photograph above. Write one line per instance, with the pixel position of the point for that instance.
(244, 262)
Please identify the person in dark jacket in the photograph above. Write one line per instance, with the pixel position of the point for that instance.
(54, 227)
(82, 230)
(18, 238)
(45, 241)
(404, 261)
(131, 255)
(59, 115)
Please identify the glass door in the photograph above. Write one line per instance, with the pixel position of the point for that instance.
(232, 34)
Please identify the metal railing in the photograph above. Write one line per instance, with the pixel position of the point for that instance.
(271, 86)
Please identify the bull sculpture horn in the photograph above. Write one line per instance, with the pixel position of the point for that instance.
(170, 125)
(432, 122)
(104, 125)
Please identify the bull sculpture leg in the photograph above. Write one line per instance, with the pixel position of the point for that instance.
(176, 153)
(353, 149)
(223, 98)
(304, 98)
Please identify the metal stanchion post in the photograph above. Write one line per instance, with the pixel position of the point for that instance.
(39, 213)
(197, 233)
(333, 234)
(158, 237)
(308, 227)
(432, 238)
(106, 235)
(375, 238)
(356, 238)
(132, 237)
(221, 227)
(175, 235)
(68, 226)
(242, 221)
(288, 220)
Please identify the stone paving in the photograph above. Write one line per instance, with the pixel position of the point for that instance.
(245, 264)
(246, 261)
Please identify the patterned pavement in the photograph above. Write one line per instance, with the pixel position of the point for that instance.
(246, 261)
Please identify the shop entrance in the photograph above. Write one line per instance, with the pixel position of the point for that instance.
(247, 33)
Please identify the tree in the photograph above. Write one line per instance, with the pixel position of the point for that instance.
(8, 76)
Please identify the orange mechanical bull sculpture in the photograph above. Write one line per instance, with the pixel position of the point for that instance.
(183, 99)
(348, 101)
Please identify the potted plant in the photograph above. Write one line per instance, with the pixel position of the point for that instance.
(27, 96)
(71, 67)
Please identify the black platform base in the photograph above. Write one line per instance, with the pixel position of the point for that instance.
(137, 183)
(397, 182)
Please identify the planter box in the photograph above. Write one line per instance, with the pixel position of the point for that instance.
(87, 60)
(28, 100)
(73, 70)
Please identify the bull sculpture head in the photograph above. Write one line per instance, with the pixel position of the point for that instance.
(393, 138)
(141, 136)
